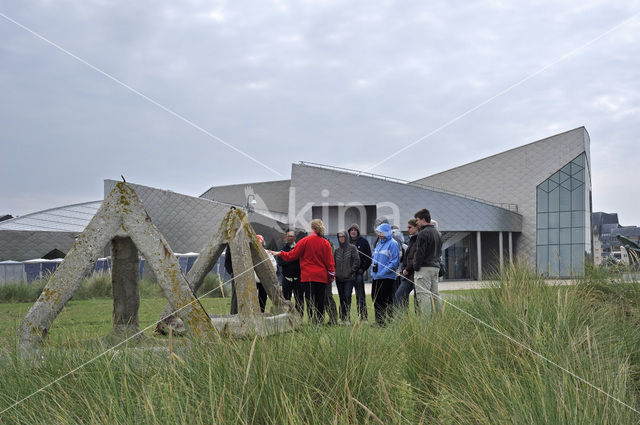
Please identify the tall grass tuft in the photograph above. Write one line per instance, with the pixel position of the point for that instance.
(450, 368)
(20, 292)
(98, 285)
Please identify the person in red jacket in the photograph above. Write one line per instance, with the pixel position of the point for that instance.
(317, 268)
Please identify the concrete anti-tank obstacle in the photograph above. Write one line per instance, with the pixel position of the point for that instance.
(123, 221)
(247, 255)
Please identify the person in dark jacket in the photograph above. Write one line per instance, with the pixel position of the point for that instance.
(262, 293)
(228, 267)
(317, 268)
(347, 262)
(406, 284)
(291, 274)
(364, 251)
(330, 306)
(426, 263)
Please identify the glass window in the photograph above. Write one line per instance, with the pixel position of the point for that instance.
(554, 220)
(577, 259)
(543, 238)
(565, 260)
(543, 260)
(563, 221)
(579, 175)
(554, 199)
(575, 168)
(457, 259)
(577, 218)
(575, 183)
(577, 235)
(554, 260)
(577, 199)
(565, 199)
(543, 201)
(542, 221)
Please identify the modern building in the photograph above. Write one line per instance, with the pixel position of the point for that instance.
(532, 203)
(606, 228)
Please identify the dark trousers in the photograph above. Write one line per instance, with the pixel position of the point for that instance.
(361, 298)
(330, 306)
(314, 294)
(382, 295)
(234, 297)
(262, 296)
(287, 288)
(345, 288)
(401, 301)
(396, 285)
(293, 287)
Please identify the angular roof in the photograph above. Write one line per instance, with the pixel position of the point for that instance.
(270, 196)
(318, 185)
(70, 218)
(187, 222)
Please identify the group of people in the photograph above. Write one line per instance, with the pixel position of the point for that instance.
(310, 266)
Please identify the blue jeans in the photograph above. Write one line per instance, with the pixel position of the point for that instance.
(401, 300)
(345, 288)
(361, 300)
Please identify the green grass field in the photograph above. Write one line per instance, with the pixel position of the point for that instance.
(447, 369)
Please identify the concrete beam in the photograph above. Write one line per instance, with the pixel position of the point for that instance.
(479, 248)
(125, 272)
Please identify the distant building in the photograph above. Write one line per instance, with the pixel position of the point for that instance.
(532, 202)
(606, 228)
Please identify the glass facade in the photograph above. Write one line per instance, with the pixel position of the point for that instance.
(563, 221)
(457, 259)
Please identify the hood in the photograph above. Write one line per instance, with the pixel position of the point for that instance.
(379, 221)
(385, 229)
(346, 238)
(354, 226)
(398, 236)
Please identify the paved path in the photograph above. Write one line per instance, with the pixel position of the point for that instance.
(457, 285)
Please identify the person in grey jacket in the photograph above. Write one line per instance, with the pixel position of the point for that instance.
(347, 261)
(426, 263)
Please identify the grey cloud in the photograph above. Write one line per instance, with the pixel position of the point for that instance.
(345, 84)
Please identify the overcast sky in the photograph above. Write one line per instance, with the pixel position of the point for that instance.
(340, 83)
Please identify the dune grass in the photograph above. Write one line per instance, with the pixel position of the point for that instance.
(447, 369)
(98, 285)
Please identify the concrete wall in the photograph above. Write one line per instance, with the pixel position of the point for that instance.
(314, 186)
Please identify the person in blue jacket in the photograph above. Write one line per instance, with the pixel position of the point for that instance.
(386, 257)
